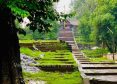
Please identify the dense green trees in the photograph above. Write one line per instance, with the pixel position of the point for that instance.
(84, 9)
(40, 13)
(51, 35)
(98, 22)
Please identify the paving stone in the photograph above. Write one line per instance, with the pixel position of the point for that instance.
(99, 66)
(107, 78)
(97, 63)
(100, 71)
(83, 60)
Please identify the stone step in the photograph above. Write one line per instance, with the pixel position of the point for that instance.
(78, 55)
(103, 79)
(66, 38)
(70, 44)
(62, 67)
(70, 41)
(100, 71)
(59, 59)
(75, 48)
(98, 63)
(65, 35)
(81, 58)
(65, 32)
(76, 52)
(66, 29)
(99, 66)
(83, 61)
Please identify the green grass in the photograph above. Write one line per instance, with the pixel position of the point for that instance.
(26, 41)
(31, 41)
(52, 58)
(81, 41)
(55, 77)
(30, 52)
(100, 59)
(96, 55)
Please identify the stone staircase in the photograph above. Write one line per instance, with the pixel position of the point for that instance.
(91, 72)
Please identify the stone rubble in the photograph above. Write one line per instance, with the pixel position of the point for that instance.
(26, 63)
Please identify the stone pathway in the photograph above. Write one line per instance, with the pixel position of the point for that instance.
(92, 72)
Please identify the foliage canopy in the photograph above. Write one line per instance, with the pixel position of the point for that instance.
(98, 22)
(40, 12)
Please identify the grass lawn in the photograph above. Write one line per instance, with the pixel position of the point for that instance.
(52, 58)
(31, 41)
(54, 77)
(96, 55)
(30, 52)
(57, 57)
(100, 59)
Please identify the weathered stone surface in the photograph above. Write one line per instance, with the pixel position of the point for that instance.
(107, 78)
(26, 62)
(99, 66)
(100, 71)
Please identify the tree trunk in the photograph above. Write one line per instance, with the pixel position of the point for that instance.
(10, 67)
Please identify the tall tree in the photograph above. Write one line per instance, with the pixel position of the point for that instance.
(101, 18)
(84, 10)
(104, 23)
(39, 12)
